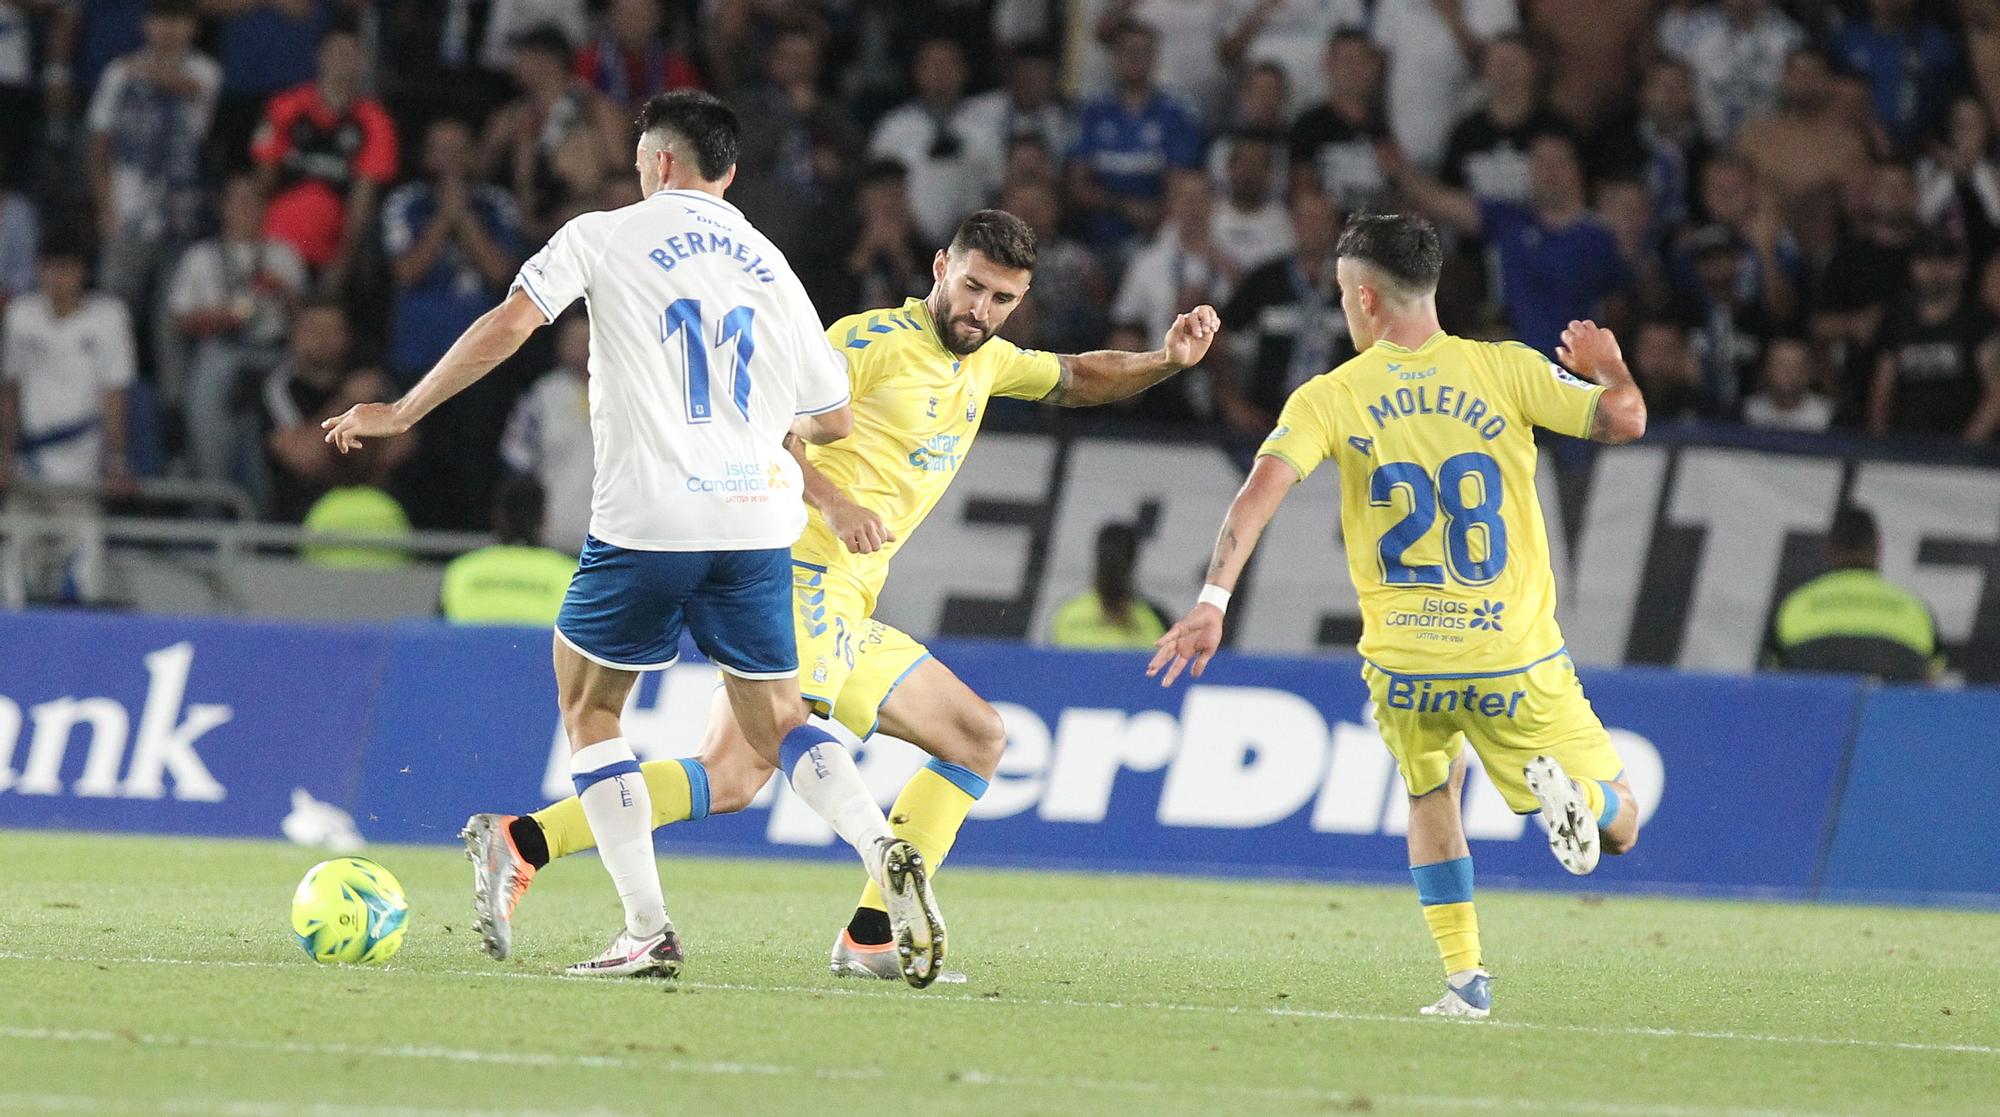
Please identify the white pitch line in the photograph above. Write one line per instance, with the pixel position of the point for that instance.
(246, 1108)
(1332, 1015)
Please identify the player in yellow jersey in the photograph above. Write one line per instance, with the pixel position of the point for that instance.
(1432, 437)
(922, 374)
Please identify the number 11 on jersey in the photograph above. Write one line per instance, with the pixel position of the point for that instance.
(681, 323)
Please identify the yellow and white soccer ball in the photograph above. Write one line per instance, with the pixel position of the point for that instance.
(349, 909)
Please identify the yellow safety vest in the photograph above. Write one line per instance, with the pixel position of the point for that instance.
(356, 510)
(507, 585)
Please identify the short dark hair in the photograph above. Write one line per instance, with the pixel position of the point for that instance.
(700, 120)
(171, 9)
(543, 38)
(1853, 531)
(518, 502)
(877, 171)
(999, 236)
(1400, 246)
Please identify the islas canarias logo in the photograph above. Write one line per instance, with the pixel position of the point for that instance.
(742, 481)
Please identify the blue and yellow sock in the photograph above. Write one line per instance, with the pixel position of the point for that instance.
(1601, 799)
(1444, 888)
(679, 789)
(927, 814)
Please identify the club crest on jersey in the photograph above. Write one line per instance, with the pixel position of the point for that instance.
(932, 411)
(972, 411)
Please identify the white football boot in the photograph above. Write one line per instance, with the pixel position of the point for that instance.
(1572, 828)
(1468, 994)
(631, 956)
(915, 924)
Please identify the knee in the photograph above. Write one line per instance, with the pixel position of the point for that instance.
(731, 786)
(982, 739)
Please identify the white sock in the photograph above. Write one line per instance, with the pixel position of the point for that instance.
(620, 810)
(822, 772)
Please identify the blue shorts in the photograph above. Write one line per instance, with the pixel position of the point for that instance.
(626, 609)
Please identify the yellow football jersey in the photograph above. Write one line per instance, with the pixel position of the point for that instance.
(1444, 533)
(917, 407)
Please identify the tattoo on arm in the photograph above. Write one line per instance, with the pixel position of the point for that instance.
(1059, 395)
(1600, 423)
(1225, 546)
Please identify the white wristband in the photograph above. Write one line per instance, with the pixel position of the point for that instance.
(1215, 595)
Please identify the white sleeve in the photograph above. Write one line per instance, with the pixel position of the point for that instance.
(559, 274)
(822, 383)
(116, 368)
(207, 73)
(194, 285)
(104, 103)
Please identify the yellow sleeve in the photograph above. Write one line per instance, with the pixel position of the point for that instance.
(1025, 373)
(1303, 437)
(1548, 394)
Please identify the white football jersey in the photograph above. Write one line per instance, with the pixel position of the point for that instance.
(703, 347)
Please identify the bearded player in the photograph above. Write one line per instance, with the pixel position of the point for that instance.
(1432, 437)
(921, 376)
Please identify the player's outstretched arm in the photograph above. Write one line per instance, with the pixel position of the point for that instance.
(496, 336)
(1590, 351)
(861, 529)
(1194, 639)
(1109, 375)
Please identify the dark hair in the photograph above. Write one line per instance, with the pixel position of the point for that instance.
(1117, 555)
(171, 9)
(543, 38)
(61, 245)
(1853, 532)
(701, 121)
(999, 236)
(877, 171)
(1400, 246)
(517, 510)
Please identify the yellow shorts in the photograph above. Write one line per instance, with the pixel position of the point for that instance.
(1510, 719)
(849, 662)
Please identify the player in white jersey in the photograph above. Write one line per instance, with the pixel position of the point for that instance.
(704, 352)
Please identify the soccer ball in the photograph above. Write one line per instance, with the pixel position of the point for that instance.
(349, 909)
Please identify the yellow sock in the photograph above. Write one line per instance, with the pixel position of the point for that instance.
(1456, 929)
(1445, 890)
(679, 789)
(1593, 797)
(927, 814)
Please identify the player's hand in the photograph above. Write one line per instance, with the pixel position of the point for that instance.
(1587, 347)
(859, 528)
(1189, 336)
(364, 420)
(1193, 640)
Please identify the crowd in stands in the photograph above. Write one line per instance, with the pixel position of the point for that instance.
(226, 219)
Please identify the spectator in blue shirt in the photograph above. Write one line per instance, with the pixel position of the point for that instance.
(1557, 260)
(264, 46)
(1127, 141)
(453, 243)
(1912, 66)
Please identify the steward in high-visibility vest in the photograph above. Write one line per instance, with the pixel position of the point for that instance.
(516, 581)
(1853, 620)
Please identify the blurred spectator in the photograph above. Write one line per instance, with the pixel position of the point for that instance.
(315, 383)
(1260, 108)
(1110, 614)
(1661, 144)
(796, 146)
(325, 151)
(1333, 143)
(509, 20)
(66, 367)
(1435, 48)
(1786, 400)
(1066, 311)
(1911, 65)
(1251, 228)
(1593, 47)
(1283, 326)
(107, 29)
(632, 59)
(935, 139)
(20, 233)
(1736, 50)
(20, 98)
(1853, 293)
(1127, 141)
(1030, 162)
(265, 47)
(1727, 317)
(515, 581)
(1488, 149)
(548, 438)
(148, 121)
(1291, 33)
(232, 298)
(1958, 180)
(890, 259)
(1183, 265)
(1666, 372)
(1939, 372)
(1190, 66)
(1557, 260)
(553, 143)
(1626, 208)
(1027, 105)
(1804, 150)
(452, 243)
(1735, 199)
(1851, 619)
(357, 505)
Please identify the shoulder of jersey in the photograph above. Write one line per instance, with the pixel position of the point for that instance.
(855, 334)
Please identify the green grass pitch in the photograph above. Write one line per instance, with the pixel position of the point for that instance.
(154, 975)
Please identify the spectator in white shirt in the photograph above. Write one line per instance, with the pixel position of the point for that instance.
(232, 298)
(548, 437)
(1291, 33)
(1786, 400)
(1434, 49)
(1736, 50)
(66, 365)
(1261, 107)
(1250, 227)
(938, 143)
(1027, 106)
(1182, 266)
(1190, 66)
